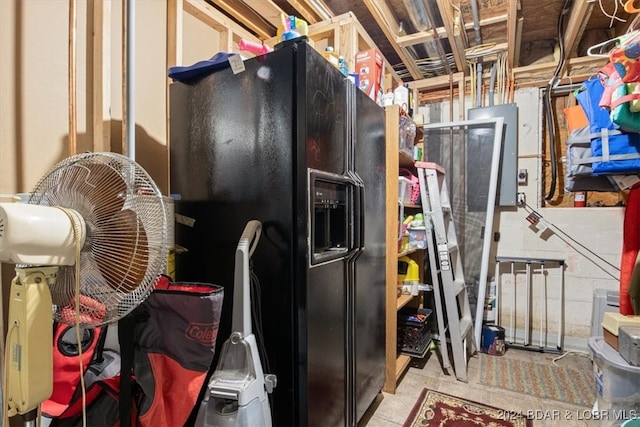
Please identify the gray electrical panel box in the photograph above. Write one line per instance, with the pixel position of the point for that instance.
(506, 193)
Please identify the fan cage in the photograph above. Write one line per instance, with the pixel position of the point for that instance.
(126, 243)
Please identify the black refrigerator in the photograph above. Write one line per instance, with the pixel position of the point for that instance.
(290, 142)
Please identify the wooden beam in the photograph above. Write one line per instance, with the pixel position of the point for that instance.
(427, 36)
(435, 82)
(580, 13)
(174, 57)
(101, 75)
(246, 16)
(387, 22)
(512, 24)
(420, 37)
(310, 11)
(538, 74)
(215, 19)
(304, 9)
(271, 12)
(518, 43)
(455, 39)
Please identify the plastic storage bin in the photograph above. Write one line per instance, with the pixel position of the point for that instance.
(617, 384)
(414, 334)
(404, 190)
(417, 237)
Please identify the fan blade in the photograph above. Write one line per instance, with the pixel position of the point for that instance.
(122, 251)
(90, 312)
(93, 187)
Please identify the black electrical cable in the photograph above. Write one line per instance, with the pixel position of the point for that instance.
(547, 101)
(552, 141)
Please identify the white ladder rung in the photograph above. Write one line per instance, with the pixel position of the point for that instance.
(466, 326)
(459, 286)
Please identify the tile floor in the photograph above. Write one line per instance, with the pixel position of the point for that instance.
(391, 410)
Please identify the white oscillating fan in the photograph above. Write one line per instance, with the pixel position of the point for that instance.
(89, 244)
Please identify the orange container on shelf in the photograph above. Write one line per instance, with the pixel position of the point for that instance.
(369, 65)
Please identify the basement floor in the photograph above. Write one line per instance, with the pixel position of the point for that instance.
(391, 410)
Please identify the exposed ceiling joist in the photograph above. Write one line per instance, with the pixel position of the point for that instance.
(308, 11)
(246, 16)
(216, 20)
(427, 36)
(387, 22)
(270, 11)
(580, 14)
(535, 75)
(456, 39)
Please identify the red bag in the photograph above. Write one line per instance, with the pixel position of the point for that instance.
(66, 372)
(167, 346)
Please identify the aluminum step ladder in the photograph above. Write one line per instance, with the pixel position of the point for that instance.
(454, 317)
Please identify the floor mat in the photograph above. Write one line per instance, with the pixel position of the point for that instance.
(547, 381)
(439, 409)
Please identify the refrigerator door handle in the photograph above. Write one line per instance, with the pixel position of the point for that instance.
(359, 216)
(358, 212)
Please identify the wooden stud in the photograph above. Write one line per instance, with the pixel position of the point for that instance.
(175, 19)
(512, 42)
(101, 75)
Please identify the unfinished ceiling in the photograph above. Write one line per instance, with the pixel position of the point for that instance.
(429, 38)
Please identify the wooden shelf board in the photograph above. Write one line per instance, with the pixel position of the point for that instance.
(405, 160)
(403, 300)
(409, 206)
(409, 252)
(402, 363)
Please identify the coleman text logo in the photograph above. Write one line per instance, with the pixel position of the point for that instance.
(204, 333)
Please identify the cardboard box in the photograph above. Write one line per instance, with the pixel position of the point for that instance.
(611, 323)
(369, 65)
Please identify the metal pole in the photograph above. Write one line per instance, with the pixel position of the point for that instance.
(513, 303)
(130, 122)
(527, 312)
(561, 307)
(543, 305)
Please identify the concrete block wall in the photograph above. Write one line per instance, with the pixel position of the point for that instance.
(589, 240)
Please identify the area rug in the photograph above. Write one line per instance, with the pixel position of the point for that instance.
(564, 384)
(439, 409)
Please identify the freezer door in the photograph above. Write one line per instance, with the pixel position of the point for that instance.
(232, 160)
(369, 287)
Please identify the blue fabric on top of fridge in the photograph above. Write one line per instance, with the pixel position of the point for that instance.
(184, 73)
(614, 151)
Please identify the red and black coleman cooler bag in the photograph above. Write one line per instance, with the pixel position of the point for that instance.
(167, 346)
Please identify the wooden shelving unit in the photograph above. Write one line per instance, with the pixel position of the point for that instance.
(396, 363)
